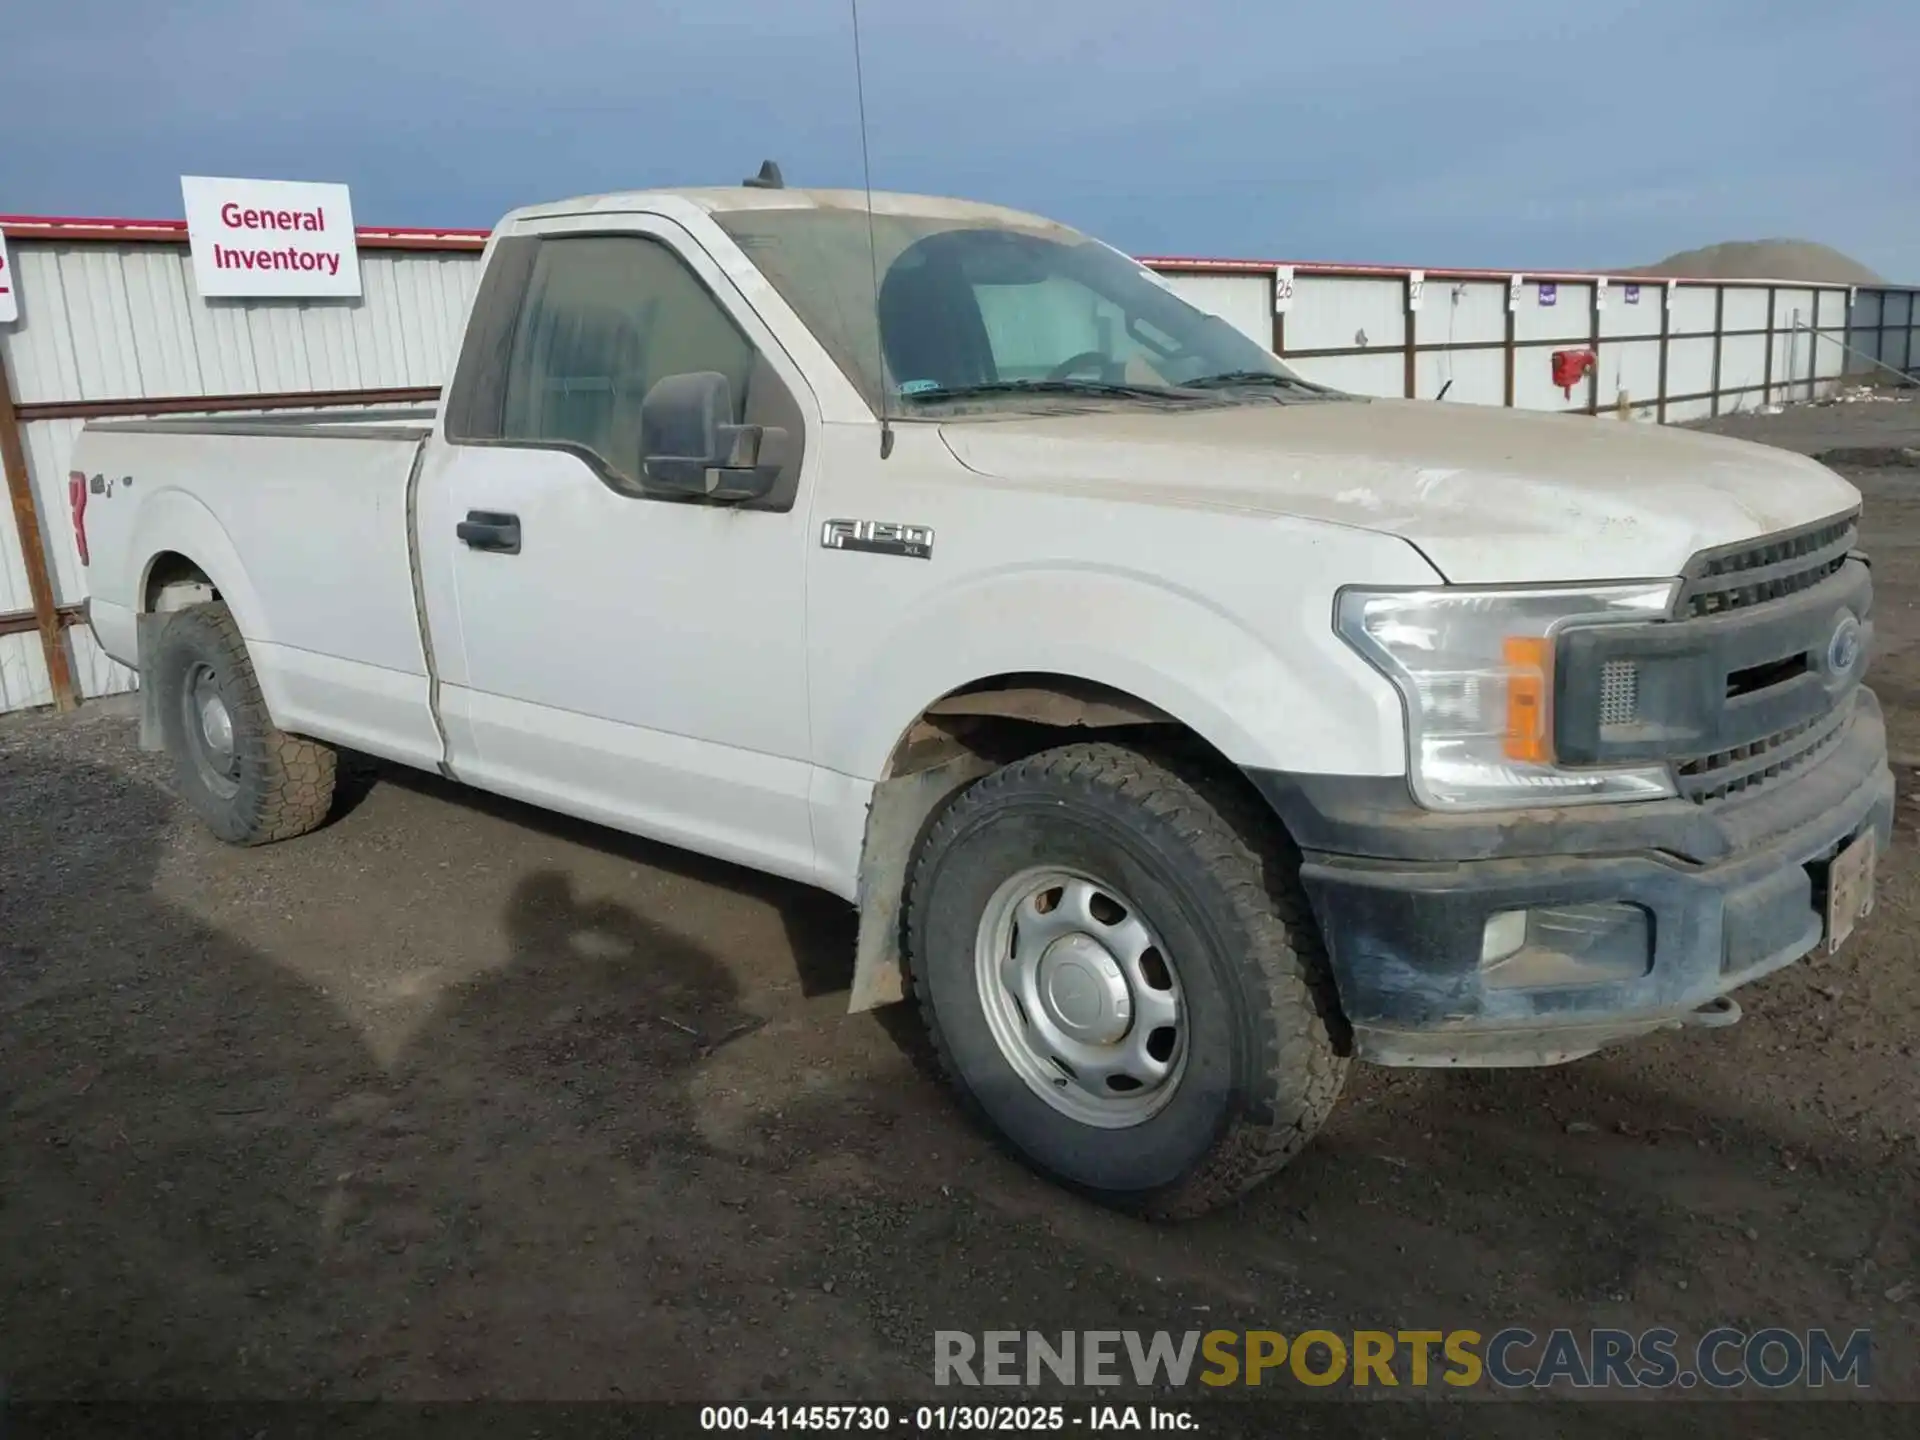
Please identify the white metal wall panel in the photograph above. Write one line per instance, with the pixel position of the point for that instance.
(1901, 349)
(1569, 317)
(1678, 413)
(1334, 312)
(1641, 318)
(1743, 362)
(1689, 367)
(1789, 368)
(1693, 307)
(1383, 375)
(1243, 301)
(48, 443)
(111, 322)
(1479, 376)
(23, 673)
(1829, 354)
(1830, 319)
(1785, 302)
(1866, 308)
(1745, 308)
(1629, 365)
(1461, 312)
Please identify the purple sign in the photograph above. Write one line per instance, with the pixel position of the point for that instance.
(1632, 293)
(1549, 292)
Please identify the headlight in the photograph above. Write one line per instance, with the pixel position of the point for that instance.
(1476, 670)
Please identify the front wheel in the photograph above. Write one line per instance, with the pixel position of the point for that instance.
(1121, 976)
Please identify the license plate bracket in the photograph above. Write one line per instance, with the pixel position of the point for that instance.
(1850, 879)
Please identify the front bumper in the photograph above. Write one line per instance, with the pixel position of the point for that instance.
(1733, 891)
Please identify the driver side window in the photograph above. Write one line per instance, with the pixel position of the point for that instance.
(605, 318)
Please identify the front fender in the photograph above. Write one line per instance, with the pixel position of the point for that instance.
(1288, 695)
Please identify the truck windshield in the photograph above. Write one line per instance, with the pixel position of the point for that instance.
(992, 313)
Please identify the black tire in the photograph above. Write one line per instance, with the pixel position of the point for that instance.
(269, 785)
(1218, 882)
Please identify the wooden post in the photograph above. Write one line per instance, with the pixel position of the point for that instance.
(33, 552)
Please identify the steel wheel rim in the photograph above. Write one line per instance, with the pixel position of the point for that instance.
(209, 731)
(1081, 997)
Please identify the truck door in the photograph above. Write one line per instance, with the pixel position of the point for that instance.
(633, 659)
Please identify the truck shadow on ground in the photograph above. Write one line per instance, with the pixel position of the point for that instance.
(211, 1187)
(819, 927)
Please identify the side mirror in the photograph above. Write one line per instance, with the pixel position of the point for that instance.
(689, 445)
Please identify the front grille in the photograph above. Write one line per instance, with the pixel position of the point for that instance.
(1755, 572)
(1729, 772)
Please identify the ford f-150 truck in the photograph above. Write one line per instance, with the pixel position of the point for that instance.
(1181, 729)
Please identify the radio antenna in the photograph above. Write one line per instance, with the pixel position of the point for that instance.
(873, 247)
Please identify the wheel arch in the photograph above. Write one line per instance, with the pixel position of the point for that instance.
(962, 735)
(184, 544)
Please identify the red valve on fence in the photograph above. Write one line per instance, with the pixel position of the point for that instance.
(1570, 368)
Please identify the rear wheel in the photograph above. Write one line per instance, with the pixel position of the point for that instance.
(1121, 977)
(249, 781)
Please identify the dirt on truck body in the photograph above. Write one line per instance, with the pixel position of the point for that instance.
(455, 1099)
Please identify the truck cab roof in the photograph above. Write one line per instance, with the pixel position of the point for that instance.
(718, 198)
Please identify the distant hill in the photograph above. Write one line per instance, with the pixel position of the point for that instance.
(1763, 260)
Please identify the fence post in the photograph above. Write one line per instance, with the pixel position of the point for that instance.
(33, 552)
(1593, 346)
(1719, 326)
(1408, 384)
(1512, 308)
(1766, 367)
(1666, 331)
(1279, 315)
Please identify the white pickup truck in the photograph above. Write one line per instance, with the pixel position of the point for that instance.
(1181, 729)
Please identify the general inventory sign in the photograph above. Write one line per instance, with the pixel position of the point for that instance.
(270, 237)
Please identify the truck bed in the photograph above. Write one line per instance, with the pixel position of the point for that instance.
(302, 523)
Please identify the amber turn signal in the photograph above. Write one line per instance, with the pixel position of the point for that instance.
(1529, 666)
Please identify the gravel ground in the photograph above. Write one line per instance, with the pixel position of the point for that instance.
(455, 1099)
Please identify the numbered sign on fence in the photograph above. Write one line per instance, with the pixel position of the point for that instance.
(1282, 289)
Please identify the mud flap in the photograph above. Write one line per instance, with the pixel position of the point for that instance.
(897, 818)
(146, 635)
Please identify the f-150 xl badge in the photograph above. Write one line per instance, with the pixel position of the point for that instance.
(879, 537)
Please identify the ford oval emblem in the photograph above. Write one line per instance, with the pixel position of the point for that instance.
(1843, 650)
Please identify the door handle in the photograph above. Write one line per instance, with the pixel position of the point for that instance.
(490, 530)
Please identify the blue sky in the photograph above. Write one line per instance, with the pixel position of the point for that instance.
(1575, 133)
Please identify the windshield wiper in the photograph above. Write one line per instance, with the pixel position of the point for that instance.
(1231, 378)
(1099, 388)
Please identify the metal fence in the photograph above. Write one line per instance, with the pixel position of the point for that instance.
(110, 325)
(1662, 350)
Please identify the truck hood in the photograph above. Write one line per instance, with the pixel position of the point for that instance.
(1490, 496)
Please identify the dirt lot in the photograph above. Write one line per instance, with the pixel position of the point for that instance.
(454, 1099)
